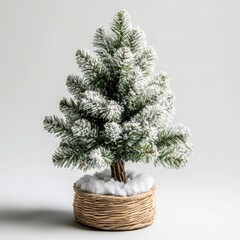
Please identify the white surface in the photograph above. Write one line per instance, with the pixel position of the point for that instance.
(102, 183)
(197, 42)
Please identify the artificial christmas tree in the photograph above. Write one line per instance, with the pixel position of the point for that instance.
(121, 111)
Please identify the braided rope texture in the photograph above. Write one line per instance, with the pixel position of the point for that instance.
(110, 212)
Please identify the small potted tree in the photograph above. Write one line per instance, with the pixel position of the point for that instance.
(121, 111)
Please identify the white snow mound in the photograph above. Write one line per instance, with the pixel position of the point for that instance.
(102, 183)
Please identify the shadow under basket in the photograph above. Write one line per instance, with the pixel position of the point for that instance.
(110, 212)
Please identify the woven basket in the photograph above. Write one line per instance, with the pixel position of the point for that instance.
(114, 212)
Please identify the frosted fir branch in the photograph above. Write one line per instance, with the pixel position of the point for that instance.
(126, 83)
(97, 159)
(146, 60)
(154, 115)
(130, 136)
(174, 156)
(140, 83)
(123, 58)
(104, 46)
(82, 143)
(132, 127)
(163, 75)
(76, 152)
(174, 146)
(93, 69)
(142, 150)
(79, 143)
(70, 109)
(152, 87)
(159, 86)
(76, 85)
(165, 97)
(89, 64)
(113, 131)
(132, 91)
(149, 151)
(74, 111)
(70, 157)
(167, 102)
(102, 40)
(136, 40)
(151, 133)
(100, 107)
(121, 27)
(133, 132)
(151, 94)
(158, 101)
(82, 128)
(138, 143)
(100, 157)
(122, 64)
(175, 134)
(142, 94)
(161, 79)
(56, 125)
(138, 98)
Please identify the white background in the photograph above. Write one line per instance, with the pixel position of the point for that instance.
(198, 45)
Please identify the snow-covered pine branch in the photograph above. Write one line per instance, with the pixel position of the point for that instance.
(54, 124)
(101, 157)
(145, 151)
(146, 60)
(74, 110)
(173, 134)
(80, 153)
(66, 156)
(174, 146)
(100, 107)
(104, 46)
(137, 143)
(136, 40)
(127, 78)
(157, 100)
(83, 128)
(76, 85)
(122, 72)
(121, 27)
(140, 92)
(123, 59)
(94, 71)
(174, 156)
(113, 131)
(154, 115)
(70, 109)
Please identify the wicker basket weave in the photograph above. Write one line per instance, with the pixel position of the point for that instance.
(114, 212)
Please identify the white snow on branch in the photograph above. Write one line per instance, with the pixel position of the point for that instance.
(163, 75)
(152, 132)
(99, 106)
(82, 128)
(113, 130)
(102, 183)
(113, 110)
(97, 158)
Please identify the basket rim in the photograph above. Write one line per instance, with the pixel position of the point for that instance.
(112, 197)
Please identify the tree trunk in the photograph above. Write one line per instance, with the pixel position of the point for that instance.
(118, 172)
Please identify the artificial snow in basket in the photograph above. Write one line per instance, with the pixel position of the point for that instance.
(120, 111)
(103, 183)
